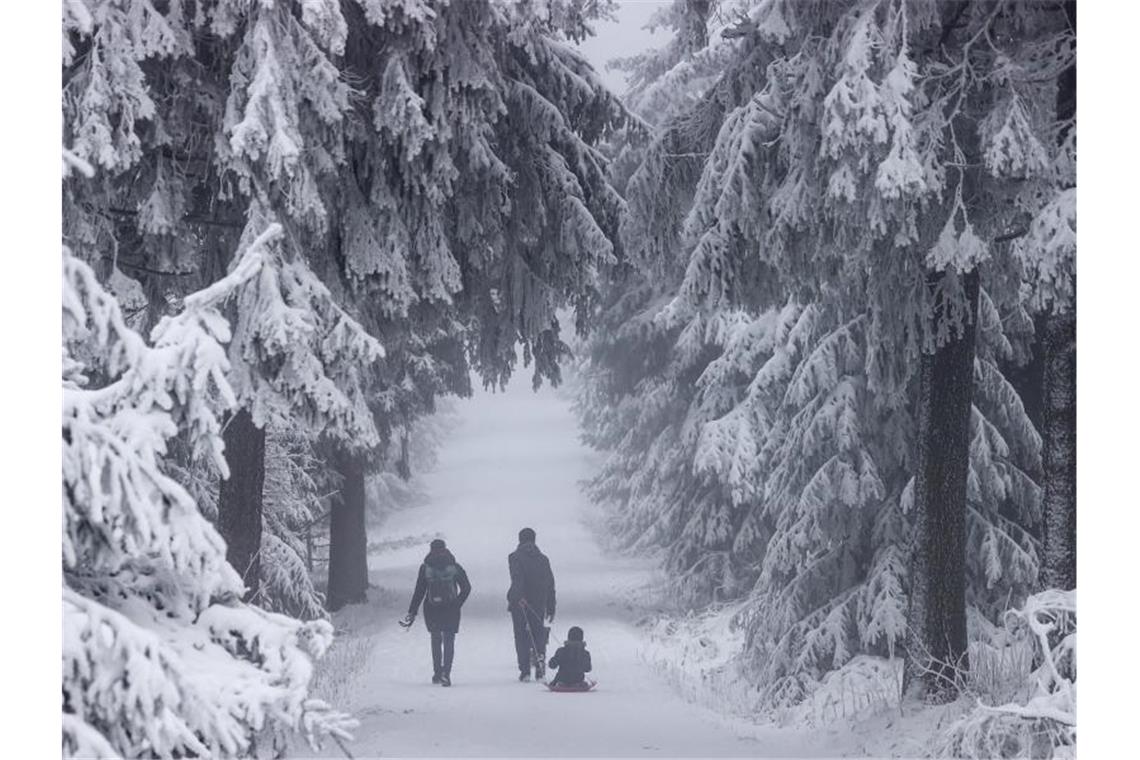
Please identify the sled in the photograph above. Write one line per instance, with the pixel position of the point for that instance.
(588, 686)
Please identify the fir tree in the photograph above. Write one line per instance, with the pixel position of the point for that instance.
(812, 436)
(877, 148)
(151, 608)
(210, 124)
(471, 207)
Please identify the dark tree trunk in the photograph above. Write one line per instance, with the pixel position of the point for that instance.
(1060, 392)
(936, 639)
(240, 498)
(348, 542)
(1060, 452)
(696, 20)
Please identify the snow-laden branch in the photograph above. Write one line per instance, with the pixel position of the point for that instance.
(159, 657)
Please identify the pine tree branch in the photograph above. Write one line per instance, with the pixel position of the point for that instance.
(148, 270)
(209, 221)
(1012, 235)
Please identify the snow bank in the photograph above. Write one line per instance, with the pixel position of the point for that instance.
(1018, 698)
(700, 656)
(1044, 722)
(696, 654)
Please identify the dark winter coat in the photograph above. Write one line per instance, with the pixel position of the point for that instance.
(440, 617)
(572, 661)
(531, 579)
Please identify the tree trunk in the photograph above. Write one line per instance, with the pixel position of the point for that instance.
(1060, 452)
(240, 498)
(696, 20)
(1060, 391)
(348, 541)
(936, 639)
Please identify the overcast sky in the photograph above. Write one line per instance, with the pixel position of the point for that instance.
(622, 37)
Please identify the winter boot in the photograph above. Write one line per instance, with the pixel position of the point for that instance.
(539, 670)
(437, 677)
(524, 675)
(445, 679)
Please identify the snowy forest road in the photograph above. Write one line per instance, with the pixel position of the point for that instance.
(515, 461)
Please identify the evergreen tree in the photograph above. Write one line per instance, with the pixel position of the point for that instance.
(295, 482)
(211, 123)
(431, 165)
(151, 608)
(471, 207)
(824, 164)
(873, 161)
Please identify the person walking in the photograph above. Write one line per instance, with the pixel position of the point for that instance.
(530, 599)
(442, 586)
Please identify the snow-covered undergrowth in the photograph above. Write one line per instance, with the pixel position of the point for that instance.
(700, 656)
(1028, 713)
(697, 655)
(335, 675)
(863, 687)
(1017, 698)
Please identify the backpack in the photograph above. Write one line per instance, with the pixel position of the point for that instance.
(441, 584)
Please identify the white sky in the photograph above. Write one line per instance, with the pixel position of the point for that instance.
(624, 36)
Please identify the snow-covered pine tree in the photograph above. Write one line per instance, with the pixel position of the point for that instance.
(152, 611)
(299, 356)
(637, 380)
(464, 183)
(639, 402)
(208, 124)
(473, 186)
(470, 207)
(296, 479)
(778, 446)
(851, 409)
(872, 160)
(295, 484)
(833, 530)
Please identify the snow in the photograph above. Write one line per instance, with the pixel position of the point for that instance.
(515, 461)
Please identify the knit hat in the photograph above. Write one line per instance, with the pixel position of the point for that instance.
(526, 535)
(574, 634)
(438, 543)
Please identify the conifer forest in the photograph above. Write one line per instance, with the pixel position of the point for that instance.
(762, 321)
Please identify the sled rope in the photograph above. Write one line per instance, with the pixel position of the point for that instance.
(530, 631)
(343, 748)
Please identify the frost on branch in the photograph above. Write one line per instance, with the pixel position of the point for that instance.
(292, 504)
(159, 657)
(821, 178)
(1045, 723)
(296, 352)
(107, 98)
(286, 103)
(1049, 253)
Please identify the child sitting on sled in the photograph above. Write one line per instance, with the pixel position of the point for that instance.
(572, 661)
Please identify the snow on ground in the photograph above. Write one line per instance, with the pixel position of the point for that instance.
(515, 461)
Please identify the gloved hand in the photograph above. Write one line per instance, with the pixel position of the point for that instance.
(408, 620)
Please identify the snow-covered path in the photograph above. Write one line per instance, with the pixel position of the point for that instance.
(516, 461)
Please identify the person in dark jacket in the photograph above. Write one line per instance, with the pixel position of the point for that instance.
(572, 660)
(530, 599)
(443, 587)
